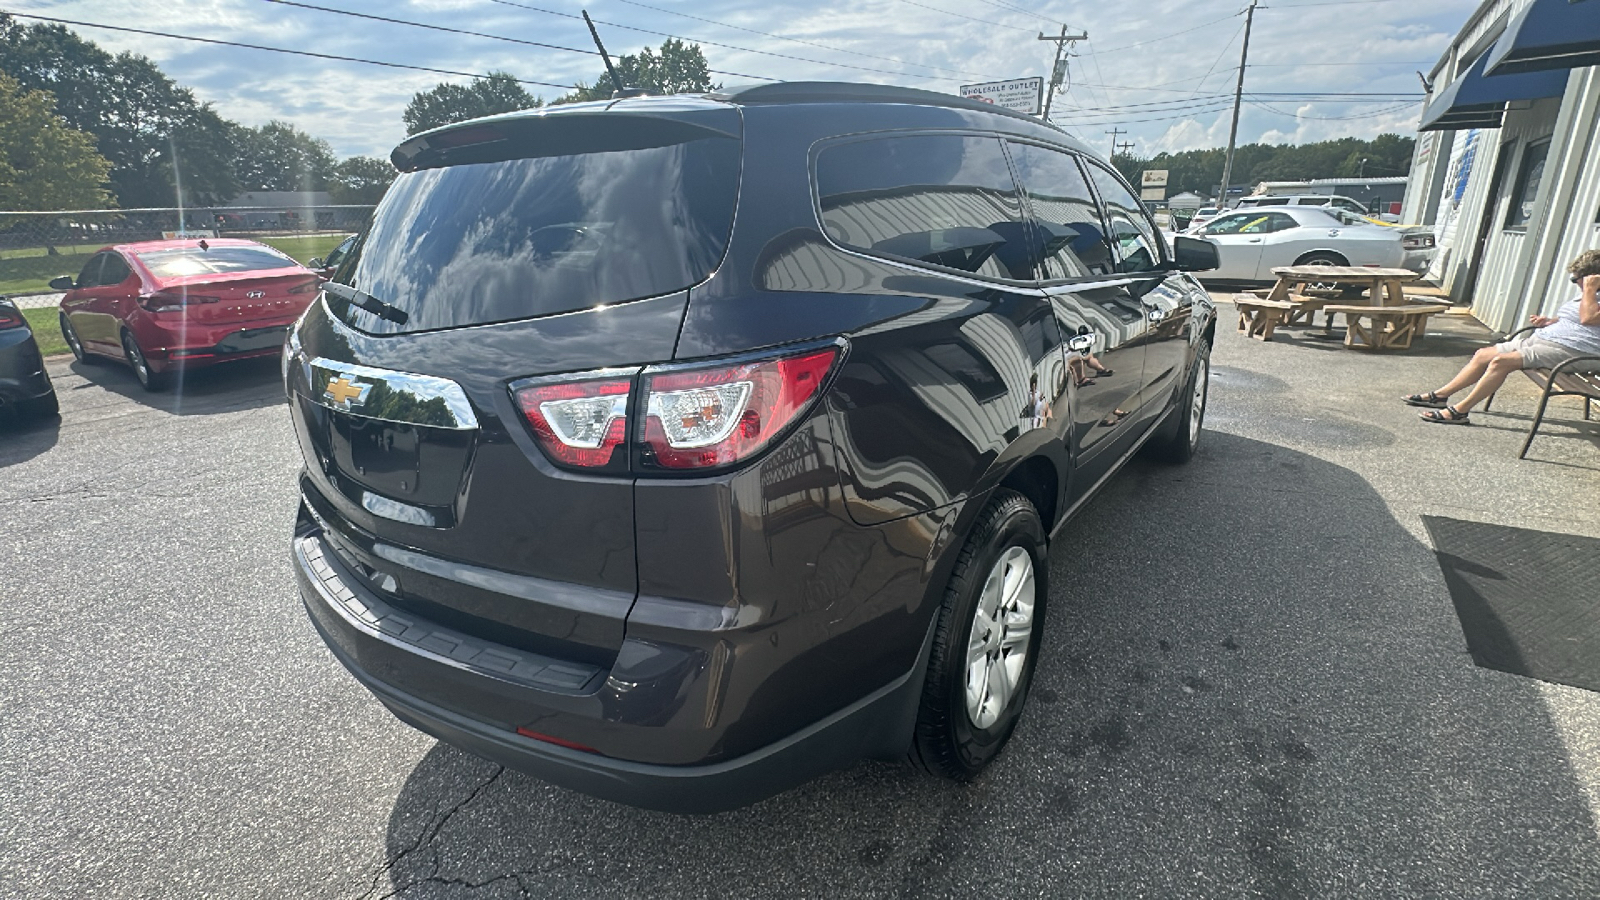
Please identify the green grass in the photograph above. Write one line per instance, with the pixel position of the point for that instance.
(46, 325)
(28, 270)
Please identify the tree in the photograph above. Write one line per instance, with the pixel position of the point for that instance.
(44, 164)
(678, 69)
(280, 157)
(448, 103)
(155, 134)
(361, 179)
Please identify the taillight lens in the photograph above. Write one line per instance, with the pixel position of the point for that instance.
(1417, 242)
(579, 423)
(10, 318)
(171, 301)
(704, 418)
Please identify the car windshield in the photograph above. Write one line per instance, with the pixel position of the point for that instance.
(482, 242)
(182, 262)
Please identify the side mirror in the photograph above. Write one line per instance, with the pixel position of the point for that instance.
(1194, 255)
(315, 262)
(62, 283)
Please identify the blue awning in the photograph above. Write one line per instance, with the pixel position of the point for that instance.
(1476, 100)
(1549, 34)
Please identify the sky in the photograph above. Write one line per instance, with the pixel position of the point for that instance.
(1162, 71)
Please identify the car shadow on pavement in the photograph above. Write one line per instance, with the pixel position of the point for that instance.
(1253, 684)
(22, 437)
(233, 386)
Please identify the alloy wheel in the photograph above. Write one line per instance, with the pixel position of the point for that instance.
(141, 366)
(1002, 627)
(1197, 400)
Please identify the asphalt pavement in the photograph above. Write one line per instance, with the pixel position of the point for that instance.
(1253, 682)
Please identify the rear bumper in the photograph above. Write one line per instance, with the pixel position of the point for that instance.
(169, 348)
(22, 373)
(472, 694)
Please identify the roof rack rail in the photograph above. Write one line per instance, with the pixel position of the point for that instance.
(850, 92)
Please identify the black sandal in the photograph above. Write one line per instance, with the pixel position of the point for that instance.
(1429, 400)
(1101, 373)
(1456, 417)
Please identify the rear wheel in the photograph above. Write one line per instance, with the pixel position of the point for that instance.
(1324, 258)
(149, 378)
(987, 641)
(75, 345)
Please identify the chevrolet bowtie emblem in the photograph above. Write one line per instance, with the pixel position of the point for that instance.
(346, 392)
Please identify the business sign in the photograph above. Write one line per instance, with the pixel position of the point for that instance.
(1153, 178)
(1023, 95)
(1155, 193)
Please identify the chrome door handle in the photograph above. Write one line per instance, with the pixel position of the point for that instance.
(1254, 241)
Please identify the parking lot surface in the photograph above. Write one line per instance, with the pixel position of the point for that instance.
(1253, 682)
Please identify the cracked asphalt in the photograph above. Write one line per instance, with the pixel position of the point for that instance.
(1253, 683)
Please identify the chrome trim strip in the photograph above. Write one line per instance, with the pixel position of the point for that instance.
(429, 401)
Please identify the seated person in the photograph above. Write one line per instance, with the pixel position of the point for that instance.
(1573, 331)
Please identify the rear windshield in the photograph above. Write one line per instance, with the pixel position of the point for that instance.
(181, 262)
(476, 243)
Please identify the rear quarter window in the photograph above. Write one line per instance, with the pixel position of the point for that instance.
(941, 200)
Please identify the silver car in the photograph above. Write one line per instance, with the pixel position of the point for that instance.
(1253, 242)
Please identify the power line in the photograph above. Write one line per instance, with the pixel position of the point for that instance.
(1214, 63)
(1018, 9)
(1392, 62)
(1162, 38)
(1369, 115)
(792, 40)
(694, 40)
(968, 18)
(479, 34)
(334, 57)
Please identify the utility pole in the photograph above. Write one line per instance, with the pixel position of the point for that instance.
(1057, 69)
(1115, 133)
(1238, 94)
(1126, 147)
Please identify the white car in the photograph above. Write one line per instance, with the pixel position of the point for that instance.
(1251, 243)
(1201, 216)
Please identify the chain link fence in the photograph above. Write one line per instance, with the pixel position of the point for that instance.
(37, 246)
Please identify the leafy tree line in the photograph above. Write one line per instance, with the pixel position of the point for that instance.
(150, 136)
(678, 68)
(1200, 171)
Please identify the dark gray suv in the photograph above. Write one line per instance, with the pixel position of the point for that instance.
(679, 449)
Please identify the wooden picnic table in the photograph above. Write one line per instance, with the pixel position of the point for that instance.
(1385, 287)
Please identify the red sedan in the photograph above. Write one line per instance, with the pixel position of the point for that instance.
(162, 306)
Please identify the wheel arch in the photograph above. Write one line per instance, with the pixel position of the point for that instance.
(1321, 251)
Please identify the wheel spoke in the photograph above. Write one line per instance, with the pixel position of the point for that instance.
(999, 688)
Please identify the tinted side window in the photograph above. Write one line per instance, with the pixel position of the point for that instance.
(943, 200)
(116, 269)
(1230, 224)
(1135, 240)
(1070, 232)
(1280, 222)
(90, 274)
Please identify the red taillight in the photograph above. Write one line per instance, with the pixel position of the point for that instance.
(559, 742)
(10, 318)
(171, 301)
(309, 286)
(711, 417)
(579, 423)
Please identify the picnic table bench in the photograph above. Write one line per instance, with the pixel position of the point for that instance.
(1577, 377)
(1258, 317)
(1391, 328)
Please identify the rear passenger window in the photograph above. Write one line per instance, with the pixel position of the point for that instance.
(1133, 237)
(1071, 235)
(941, 200)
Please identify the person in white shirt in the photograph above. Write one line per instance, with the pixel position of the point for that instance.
(1572, 332)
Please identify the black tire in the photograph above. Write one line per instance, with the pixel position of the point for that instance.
(1327, 258)
(948, 741)
(149, 378)
(73, 344)
(1179, 445)
(44, 407)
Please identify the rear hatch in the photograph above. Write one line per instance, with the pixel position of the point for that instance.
(508, 249)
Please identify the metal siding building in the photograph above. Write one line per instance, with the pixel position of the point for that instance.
(1509, 263)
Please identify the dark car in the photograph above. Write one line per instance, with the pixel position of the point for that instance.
(167, 306)
(680, 449)
(25, 386)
